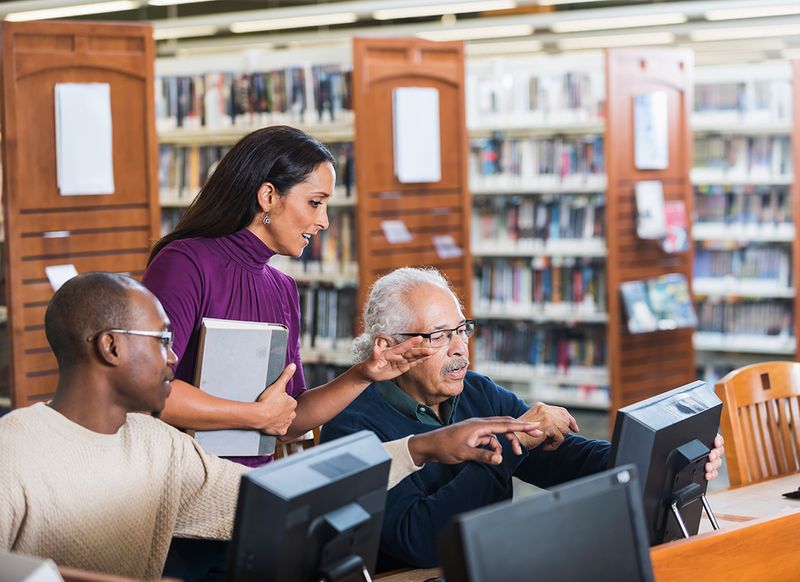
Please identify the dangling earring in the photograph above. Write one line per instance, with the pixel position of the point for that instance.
(266, 218)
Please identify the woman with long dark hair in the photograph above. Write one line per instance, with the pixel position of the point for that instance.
(269, 195)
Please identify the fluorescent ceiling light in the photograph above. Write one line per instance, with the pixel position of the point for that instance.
(504, 48)
(75, 10)
(751, 12)
(559, 2)
(617, 40)
(185, 31)
(174, 2)
(707, 34)
(294, 22)
(443, 8)
(619, 22)
(478, 33)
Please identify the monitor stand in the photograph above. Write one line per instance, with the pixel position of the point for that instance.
(688, 462)
(349, 569)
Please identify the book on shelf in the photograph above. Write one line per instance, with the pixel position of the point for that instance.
(743, 204)
(542, 284)
(658, 304)
(763, 263)
(744, 101)
(237, 360)
(517, 219)
(758, 318)
(519, 93)
(328, 316)
(741, 158)
(501, 162)
(294, 95)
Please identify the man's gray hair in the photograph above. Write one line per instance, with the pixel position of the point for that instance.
(387, 311)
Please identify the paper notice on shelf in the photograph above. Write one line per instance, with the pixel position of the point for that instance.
(651, 131)
(84, 149)
(60, 274)
(446, 247)
(650, 218)
(396, 231)
(417, 156)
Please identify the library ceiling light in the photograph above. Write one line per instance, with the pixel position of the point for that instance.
(619, 22)
(294, 22)
(617, 40)
(185, 31)
(75, 10)
(503, 48)
(441, 8)
(732, 33)
(478, 33)
(559, 2)
(174, 2)
(752, 12)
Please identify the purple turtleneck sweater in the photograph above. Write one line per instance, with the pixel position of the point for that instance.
(227, 278)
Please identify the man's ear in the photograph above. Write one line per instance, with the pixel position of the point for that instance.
(108, 349)
(267, 196)
(382, 342)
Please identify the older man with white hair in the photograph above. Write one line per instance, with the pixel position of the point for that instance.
(441, 391)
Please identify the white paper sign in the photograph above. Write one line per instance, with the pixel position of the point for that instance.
(446, 247)
(650, 131)
(417, 156)
(396, 231)
(60, 274)
(651, 220)
(84, 150)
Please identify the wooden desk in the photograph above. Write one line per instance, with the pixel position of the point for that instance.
(759, 532)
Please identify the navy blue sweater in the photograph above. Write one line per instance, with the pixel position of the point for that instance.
(420, 506)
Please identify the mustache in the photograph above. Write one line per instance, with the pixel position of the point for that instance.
(455, 364)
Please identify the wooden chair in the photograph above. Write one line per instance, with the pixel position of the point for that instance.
(310, 439)
(761, 421)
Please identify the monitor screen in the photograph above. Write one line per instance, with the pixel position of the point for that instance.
(316, 514)
(589, 529)
(668, 438)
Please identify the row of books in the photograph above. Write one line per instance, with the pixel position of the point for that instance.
(183, 170)
(757, 99)
(733, 157)
(312, 94)
(527, 343)
(522, 95)
(517, 218)
(328, 315)
(755, 318)
(753, 262)
(504, 162)
(743, 204)
(331, 252)
(512, 284)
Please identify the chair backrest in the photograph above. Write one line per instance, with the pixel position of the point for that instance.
(761, 421)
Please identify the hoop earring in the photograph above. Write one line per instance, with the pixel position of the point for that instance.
(266, 218)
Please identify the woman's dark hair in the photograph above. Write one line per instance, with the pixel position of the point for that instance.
(281, 155)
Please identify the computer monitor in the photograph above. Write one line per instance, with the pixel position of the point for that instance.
(589, 529)
(316, 515)
(668, 437)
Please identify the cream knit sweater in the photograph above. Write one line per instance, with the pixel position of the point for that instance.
(111, 503)
(108, 503)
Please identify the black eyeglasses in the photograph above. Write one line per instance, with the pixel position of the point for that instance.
(165, 337)
(442, 337)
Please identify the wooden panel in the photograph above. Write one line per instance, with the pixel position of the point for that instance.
(759, 550)
(105, 233)
(430, 209)
(645, 365)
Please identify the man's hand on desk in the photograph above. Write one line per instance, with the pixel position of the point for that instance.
(460, 442)
(715, 458)
(555, 423)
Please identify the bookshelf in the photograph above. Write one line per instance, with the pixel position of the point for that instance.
(538, 179)
(206, 104)
(744, 231)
